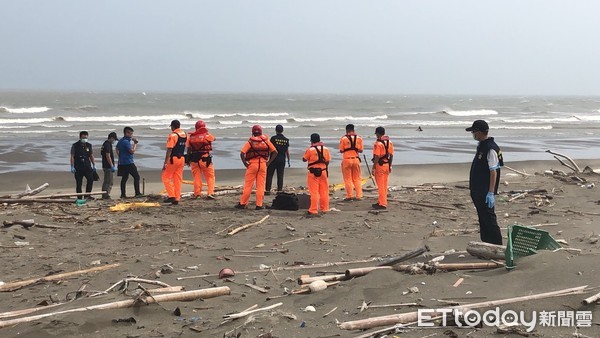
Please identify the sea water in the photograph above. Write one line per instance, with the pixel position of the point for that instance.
(524, 127)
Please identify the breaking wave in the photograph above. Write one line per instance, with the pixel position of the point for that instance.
(479, 112)
(27, 110)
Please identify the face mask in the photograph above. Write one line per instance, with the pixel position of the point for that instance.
(84, 140)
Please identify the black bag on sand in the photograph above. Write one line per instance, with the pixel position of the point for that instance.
(285, 201)
(303, 201)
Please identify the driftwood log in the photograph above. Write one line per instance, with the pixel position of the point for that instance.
(246, 226)
(306, 279)
(11, 286)
(29, 192)
(28, 223)
(249, 312)
(591, 300)
(288, 268)
(427, 205)
(486, 250)
(404, 318)
(35, 200)
(173, 297)
(573, 165)
(409, 255)
(72, 194)
(350, 273)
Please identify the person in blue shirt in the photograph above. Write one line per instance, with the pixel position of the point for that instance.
(126, 147)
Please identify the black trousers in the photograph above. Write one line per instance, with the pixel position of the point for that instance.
(126, 170)
(280, 167)
(488, 225)
(89, 181)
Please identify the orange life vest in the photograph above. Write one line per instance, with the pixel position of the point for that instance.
(258, 148)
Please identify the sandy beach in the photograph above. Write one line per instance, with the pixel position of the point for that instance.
(188, 241)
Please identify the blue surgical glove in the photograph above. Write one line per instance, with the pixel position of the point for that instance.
(72, 169)
(113, 169)
(489, 200)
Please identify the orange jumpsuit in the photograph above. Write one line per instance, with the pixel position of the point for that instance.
(351, 164)
(172, 175)
(382, 171)
(318, 187)
(199, 147)
(257, 150)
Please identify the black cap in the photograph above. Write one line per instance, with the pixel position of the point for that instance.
(314, 138)
(479, 125)
(175, 124)
(279, 128)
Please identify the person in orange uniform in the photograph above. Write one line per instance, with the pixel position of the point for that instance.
(383, 155)
(351, 145)
(199, 146)
(318, 157)
(172, 172)
(257, 154)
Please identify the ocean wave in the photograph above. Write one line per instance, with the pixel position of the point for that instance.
(27, 110)
(13, 127)
(121, 118)
(338, 118)
(25, 121)
(479, 112)
(56, 125)
(86, 108)
(523, 127)
(200, 115)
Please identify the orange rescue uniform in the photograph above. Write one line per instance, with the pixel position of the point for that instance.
(350, 147)
(172, 175)
(382, 169)
(199, 146)
(318, 187)
(257, 150)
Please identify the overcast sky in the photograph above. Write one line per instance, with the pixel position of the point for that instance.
(338, 46)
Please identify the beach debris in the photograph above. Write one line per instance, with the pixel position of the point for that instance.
(133, 205)
(30, 192)
(309, 308)
(252, 310)
(123, 284)
(427, 205)
(130, 320)
(409, 255)
(246, 226)
(486, 250)
(35, 200)
(458, 282)
(522, 173)
(267, 268)
(411, 317)
(573, 166)
(591, 300)
(514, 328)
(225, 273)
(28, 223)
(368, 305)
(307, 279)
(413, 289)
(317, 286)
(424, 268)
(12, 286)
(172, 297)
(257, 288)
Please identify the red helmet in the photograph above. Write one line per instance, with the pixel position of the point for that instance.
(256, 130)
(200, 124)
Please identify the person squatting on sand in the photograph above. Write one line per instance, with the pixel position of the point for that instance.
(318, 158)
(172, 171)
(199, 147)
(282, 145)
(256, 155)
(351, 145)
(483, 181)
(383, 155)
(83, 164)
(108, 164)
(126, 148)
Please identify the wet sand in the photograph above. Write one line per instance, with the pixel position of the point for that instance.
(184, 237)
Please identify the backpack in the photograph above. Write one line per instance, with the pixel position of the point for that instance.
(285, 201)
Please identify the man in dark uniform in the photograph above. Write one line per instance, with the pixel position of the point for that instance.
(83, 164)
(108, 164)
(282, 145)
(483, 181)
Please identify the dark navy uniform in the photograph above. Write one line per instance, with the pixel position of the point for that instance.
(488, 158)
(282, 144)
(83, 166)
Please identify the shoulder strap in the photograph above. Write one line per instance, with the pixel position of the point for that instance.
(321, 158)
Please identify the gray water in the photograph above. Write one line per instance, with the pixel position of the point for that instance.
(47, 123)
